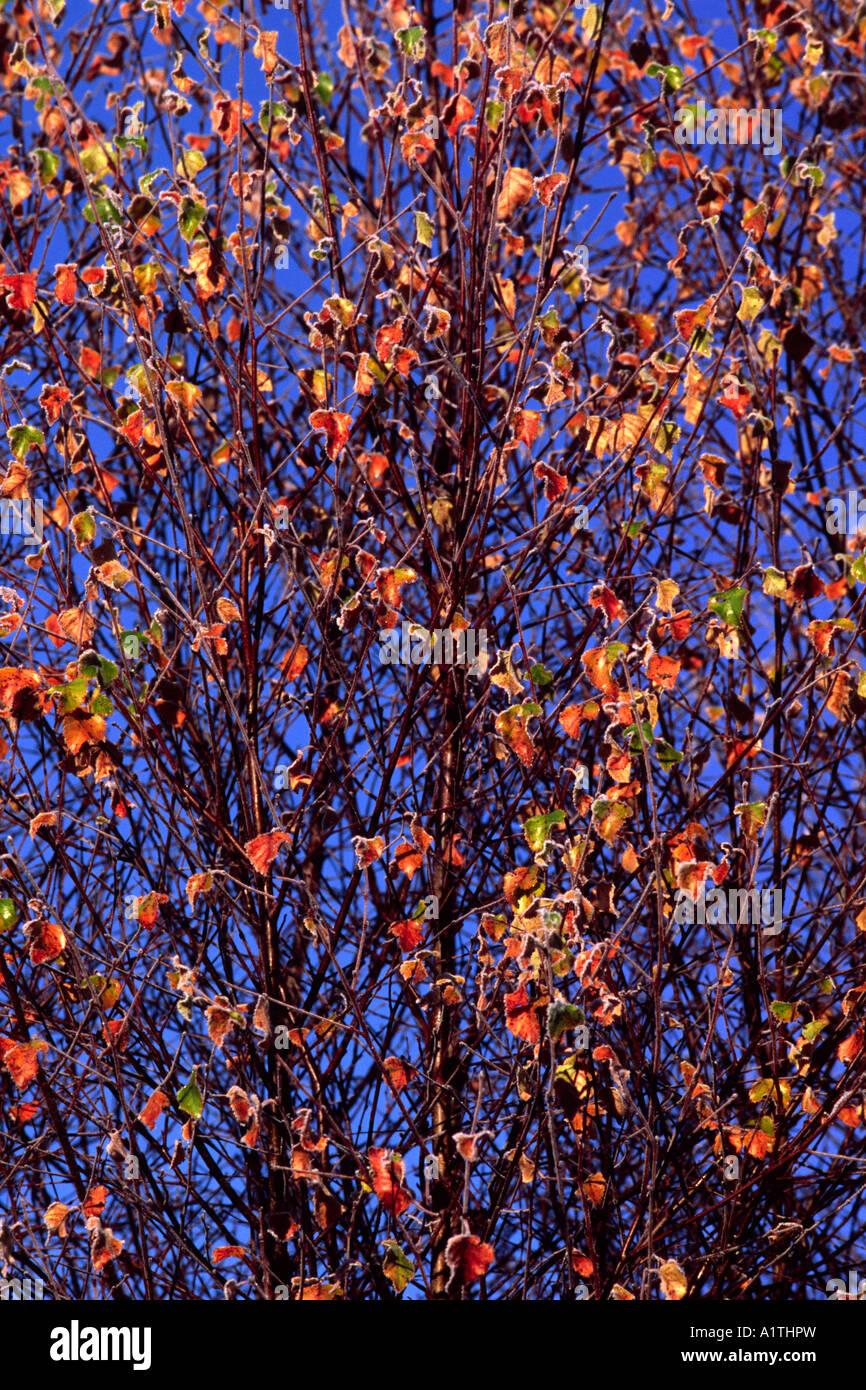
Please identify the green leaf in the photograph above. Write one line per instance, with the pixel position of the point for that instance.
(8, 915)
(73, 694)
(751, 304)
(324, 87)
(413, 42)
(667, 756)
(83, 529)
(537, 827)
(728, 606)
(775, 582)
(23, 438)
(752, 815)
(102, 210)
(189, 1098)
(47, 164)
(858, 569)
(396, 1265)
(540, 675)
(562, 1016)
(190, 217)
(424, 229)
(783, 1010)
(633, 733)
(100, 704)
(672, 76)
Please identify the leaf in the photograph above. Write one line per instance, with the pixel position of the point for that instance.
(537, 827)
(468, 1257)
(389, 1173)
(334, 424)
(263, 850)
(368, 851)
(153, 1109)
(197, 884)
(674, 1281)
(396, 1265)
(562, 1016)
(294, 662)
(594, 1188)
(728, 605)
(55, 1218)
(227, 1252)
(47, 942)
(23, 438)
(189, 1098)
(104, 1247)
(21, 1060)
(751, 304)
(663, 671)
(515, 192)
(521, 1017)
(8, 915)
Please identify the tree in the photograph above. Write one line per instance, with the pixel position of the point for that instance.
(433, 707)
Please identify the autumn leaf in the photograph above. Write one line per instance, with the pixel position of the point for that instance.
(368, 851)
(153, 1109)
(334, 424)
(21, 1060)
(408, 859)
(104, 1247)
(389, 1172)
(295, 661)
(673, 1280)
(47, 941)
(263, 850)
(227, 1252)
(468, 1257)
(663, 671)
(197, 884)
(521, 1016)
(55, 1218)
(515, 192)
(409, 933)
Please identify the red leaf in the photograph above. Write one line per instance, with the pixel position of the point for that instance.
(468, 1257)
(334, 424)
(263, 850)
(388, 1178)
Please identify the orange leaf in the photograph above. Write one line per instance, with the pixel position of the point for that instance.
(294, 662)
(408, 933)
(388, 1177)
(21, 1060)
(153, 1109)
(368, 851)
(515, 192)
(334, 424)
(521, 1016)
(197, 884)
(263, 850)
(408, 859)
(104, 1247)
(593, 1189)
(227, 1252)
(468, 1257)
(64, 290)
(46, 942)
(94, 1202)
(55, 1218)
(663, 671)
